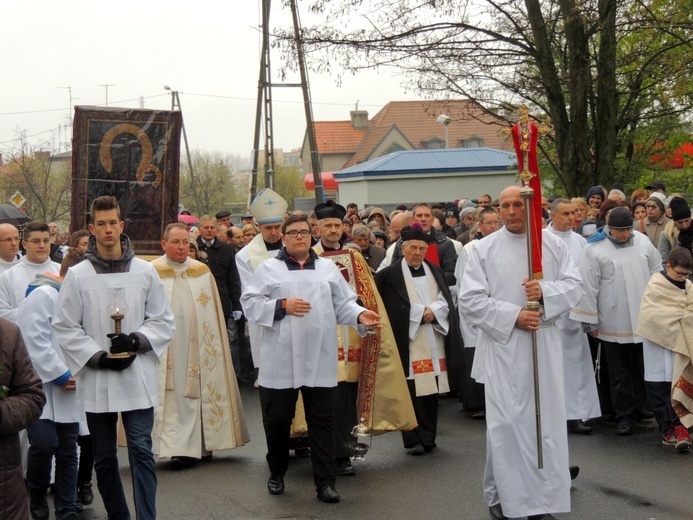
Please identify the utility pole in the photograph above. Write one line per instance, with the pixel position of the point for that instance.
(69, 114)
(106, 87)
(175, 101)
(310, 129)
(264, 100)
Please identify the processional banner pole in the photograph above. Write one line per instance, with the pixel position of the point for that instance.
(525, 135)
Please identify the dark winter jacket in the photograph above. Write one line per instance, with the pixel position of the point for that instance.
(21, 407)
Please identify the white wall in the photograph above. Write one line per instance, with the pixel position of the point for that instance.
(412, 188)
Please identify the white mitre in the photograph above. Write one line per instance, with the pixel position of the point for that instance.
(268, 207)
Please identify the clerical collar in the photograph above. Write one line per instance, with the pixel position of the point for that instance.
(273, 247)
(326, 248)
(416, 271)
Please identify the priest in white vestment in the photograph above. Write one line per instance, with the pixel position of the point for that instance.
(493, 294)
(582, 399)
(268, 209)
(200, 409)
(472, 392)
(298, 299)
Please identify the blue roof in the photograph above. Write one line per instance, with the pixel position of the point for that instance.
(432, 161)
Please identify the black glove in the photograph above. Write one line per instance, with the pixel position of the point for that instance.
(117, 364)
(123, 342)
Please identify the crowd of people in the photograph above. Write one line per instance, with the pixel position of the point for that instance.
(311, 309)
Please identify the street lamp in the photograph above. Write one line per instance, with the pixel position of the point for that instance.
(445, 121)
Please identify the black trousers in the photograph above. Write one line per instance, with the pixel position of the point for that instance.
(659, 395)
(471, 392)
(426, 411)
(602, 376)
(278, 408)
(345, 419)
(626, 377)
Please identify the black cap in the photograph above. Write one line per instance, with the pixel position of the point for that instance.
(415, 232)
(329, 209)
(679, 209)
(620, 218)
(452, 212)
(656, 186)
(222, 214)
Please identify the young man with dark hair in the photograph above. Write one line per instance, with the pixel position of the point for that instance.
(116, 372)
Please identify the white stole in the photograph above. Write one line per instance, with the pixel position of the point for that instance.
(426, 344)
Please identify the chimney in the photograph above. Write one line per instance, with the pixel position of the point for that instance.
(359, 119)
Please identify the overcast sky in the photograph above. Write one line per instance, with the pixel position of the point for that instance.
(207, 50)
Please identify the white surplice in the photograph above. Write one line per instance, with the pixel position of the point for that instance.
(582, 399)
(14, 281)
(34, 319)
(615, 278)
(247, 260)
(491, 297)
(299, 350)
(5, 265)
(83, 319)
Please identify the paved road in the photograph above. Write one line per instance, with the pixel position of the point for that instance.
(632, 478)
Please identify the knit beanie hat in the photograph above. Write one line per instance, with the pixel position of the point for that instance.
(595, 190)
(658, 199)
(620, 218)
(679, 209)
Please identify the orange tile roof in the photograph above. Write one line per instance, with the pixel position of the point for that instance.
(417, 121)
(337, 137)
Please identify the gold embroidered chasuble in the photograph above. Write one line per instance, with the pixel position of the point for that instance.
(209, 379)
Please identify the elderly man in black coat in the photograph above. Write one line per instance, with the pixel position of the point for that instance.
(425, 324)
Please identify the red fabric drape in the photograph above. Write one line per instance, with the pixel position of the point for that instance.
(530, 157)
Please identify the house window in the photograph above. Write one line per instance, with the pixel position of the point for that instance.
(435, 143)
(472, 142)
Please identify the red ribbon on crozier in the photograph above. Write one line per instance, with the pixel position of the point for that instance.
(534, 183)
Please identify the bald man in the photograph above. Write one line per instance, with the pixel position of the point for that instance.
(9, 247)
(493, 296)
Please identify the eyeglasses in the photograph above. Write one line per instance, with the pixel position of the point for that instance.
(10, 239)
(37, 241)
(651, 206)
(293, 233)
(680, 274)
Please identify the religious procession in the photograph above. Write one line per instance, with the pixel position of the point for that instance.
(542, 316)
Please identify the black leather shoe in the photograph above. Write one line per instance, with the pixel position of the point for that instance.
(579, 427)
(417, 450)
(275, 484)
(85, 494)
(546, 516)
(641, 414)
(496, 512)
(345, 469)
(328, 494)
(574, 471)
(179, 463)
(624, 428)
